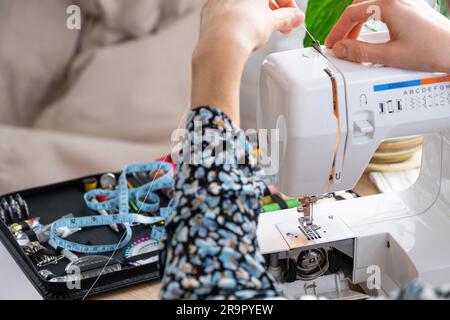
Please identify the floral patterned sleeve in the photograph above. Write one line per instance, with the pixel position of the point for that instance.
(421, 291)
(210, 247)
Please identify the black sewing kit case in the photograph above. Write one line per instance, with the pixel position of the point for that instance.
(49, 204)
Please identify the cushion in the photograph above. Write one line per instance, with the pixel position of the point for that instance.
(136, 90)
(34, 54)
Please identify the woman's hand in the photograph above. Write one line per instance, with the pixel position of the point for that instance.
(247, 23)
(230, 30)
(420, 36)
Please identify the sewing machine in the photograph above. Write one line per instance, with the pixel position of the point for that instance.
(330, 116)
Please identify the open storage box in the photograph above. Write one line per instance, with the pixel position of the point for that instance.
(53, 202)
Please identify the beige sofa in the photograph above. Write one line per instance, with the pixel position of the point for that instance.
(73, 103)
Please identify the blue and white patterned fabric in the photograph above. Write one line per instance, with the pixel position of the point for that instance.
(421, 291)
(210, 247)
(211, 250)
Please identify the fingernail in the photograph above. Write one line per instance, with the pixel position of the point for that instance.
(340, 50)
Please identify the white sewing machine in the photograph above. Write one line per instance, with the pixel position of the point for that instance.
(331, 116)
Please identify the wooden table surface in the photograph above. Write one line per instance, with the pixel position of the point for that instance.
(150, 291)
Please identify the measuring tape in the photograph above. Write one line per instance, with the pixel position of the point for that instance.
(145, 197)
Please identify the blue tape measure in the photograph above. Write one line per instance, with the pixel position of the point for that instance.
(144, 196)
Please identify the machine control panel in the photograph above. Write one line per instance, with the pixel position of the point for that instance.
(412, 96)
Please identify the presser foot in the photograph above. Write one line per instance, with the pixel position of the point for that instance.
(306, 207)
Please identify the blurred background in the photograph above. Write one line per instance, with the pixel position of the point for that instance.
(75, 102)
(79, 101)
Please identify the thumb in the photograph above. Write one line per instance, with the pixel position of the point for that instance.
(359, 51)
(287, 19)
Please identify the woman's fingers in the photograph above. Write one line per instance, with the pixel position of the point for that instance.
(276, 4)
(273, 5)
(355, 32)
(359, 51)
(353, 16)
(287, 19)
(286, 3)
(283, 25)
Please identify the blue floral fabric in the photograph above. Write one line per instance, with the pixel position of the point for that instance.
(421, 291)
(210, 247)
(211, 250)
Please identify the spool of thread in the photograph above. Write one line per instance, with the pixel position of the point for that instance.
(90, 184)
(292, 203)
(108, 181)
(267, 200)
